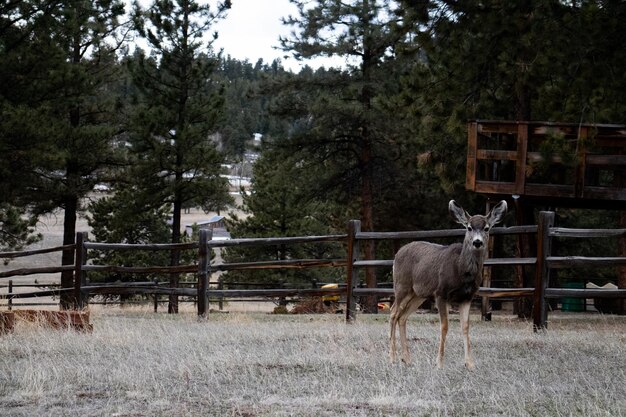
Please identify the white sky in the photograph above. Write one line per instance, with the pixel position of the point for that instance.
(251, 29)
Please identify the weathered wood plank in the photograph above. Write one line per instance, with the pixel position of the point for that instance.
(493, 187)
(578, 261)
(38, 270)
(488, 262)
(276, 241)
(472, 145)
(570, 232)
(496, 154)
(585, 293)
(146, 247)
(352, 274)
(203, 273)
(542, 270)
(287, 264)
(19, 254)
(35, 294)
(606, 160)
(505, 292)
(141, 269)
(129, 290)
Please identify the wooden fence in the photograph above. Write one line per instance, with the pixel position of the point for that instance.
(34, 271)
(544, 262)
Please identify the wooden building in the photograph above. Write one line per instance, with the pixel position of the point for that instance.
(554, 164)
(548, 165)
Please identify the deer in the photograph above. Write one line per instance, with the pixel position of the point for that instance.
(451, 274)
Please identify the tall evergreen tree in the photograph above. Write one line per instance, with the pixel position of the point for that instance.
(278, 206)
(19, 24)
(246, 104)
(347, 135)
(178, 109)
(125, 217)
(57, 74)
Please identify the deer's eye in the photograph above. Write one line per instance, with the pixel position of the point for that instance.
(469, 228)
(486, 228)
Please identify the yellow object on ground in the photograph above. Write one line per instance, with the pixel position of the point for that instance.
(333, 298)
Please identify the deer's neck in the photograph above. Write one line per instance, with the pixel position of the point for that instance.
(470, 264)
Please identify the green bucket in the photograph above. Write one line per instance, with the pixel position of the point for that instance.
(573, 304)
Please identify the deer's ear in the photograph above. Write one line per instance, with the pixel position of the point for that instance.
(457, 212)
(497, 213)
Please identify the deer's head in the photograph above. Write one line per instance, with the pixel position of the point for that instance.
(477, 227)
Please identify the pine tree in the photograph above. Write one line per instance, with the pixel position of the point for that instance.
(124, 217)
(278, 206)
(348, 137)
(59, 57)
(15, 231)
(509, 61)
(177, 112)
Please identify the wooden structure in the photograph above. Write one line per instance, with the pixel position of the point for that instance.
(548, 164)
(544, 261)
(555, 163)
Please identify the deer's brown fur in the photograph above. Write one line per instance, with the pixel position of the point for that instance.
(450, 274)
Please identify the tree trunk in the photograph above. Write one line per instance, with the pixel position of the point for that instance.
(525, 54)
(71, 199)
(370, 304)
(172, 307)
(67, 258)
(621, 278)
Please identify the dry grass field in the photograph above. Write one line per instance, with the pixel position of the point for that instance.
(144, 364)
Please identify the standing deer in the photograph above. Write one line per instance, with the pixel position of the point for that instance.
(450, 274)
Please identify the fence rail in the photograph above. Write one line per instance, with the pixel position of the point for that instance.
(544, 262)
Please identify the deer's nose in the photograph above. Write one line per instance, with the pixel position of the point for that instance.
(477, 243)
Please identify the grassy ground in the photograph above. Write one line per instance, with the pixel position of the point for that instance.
(145, 364)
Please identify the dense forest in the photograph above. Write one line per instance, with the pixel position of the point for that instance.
(381, 138)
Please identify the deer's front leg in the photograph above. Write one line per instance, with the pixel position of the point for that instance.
(442, 306)
(464, 310)
(393, 322)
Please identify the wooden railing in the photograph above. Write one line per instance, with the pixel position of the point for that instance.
(544, 262)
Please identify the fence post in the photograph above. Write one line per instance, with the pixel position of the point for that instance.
(10, 295)
(156, 295)
(80, 276)
(220, 286)
(352, 279)
(542, 271)
(203, 273)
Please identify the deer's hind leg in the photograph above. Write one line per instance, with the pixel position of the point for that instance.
(408, 305)
(397, 309)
